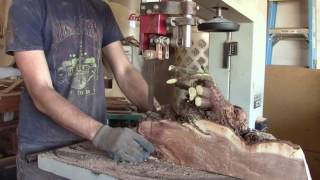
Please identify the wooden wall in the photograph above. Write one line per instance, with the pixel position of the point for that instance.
(292, 106)
(4, 7)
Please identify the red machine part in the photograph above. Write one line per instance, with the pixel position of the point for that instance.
(152, 25)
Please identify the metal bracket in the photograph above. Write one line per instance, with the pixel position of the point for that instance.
(279, 34)
(182, 21)
(169, 7)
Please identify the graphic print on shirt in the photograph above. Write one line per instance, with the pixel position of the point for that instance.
(80, 70)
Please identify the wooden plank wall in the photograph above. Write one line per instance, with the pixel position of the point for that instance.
(4, 8)
(292, 105)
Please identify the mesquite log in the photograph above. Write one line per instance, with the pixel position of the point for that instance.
(181, 70)
(218, 109)
(178, 84)
(203, 91)
(214, 148)
(208, 133)
(224, 112)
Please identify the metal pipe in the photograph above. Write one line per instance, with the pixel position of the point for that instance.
(219, 12)
(229, 36)
(187, 34)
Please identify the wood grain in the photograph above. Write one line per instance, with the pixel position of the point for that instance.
(214, 148)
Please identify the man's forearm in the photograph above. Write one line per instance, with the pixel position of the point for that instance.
(129, 79)
(134, 87)
(65, 114)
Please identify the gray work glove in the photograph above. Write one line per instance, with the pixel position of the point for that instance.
(123, 144)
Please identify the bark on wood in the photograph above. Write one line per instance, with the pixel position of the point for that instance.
(178, 84)
(203, 91)
(214, 148)
(181, 70)
(221, 111)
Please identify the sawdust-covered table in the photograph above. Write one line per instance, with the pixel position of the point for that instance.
(82, 161)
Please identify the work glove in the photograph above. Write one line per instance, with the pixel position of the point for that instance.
(123, 144)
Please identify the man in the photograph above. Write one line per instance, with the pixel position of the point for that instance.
(57, 45)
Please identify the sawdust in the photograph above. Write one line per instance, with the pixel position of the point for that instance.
(85, 156)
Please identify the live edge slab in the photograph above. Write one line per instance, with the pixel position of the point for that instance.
(83, 161)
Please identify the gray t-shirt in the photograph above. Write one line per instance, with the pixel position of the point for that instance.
(71, 33)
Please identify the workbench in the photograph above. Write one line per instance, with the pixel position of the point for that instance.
(83, 161)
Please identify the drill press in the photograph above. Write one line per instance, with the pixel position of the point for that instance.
(168, 23)
(164, 24)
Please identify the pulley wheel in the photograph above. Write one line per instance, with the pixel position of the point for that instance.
(219, 24)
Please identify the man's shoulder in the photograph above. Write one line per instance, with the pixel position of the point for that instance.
(102, 5)
(102, 2)
(99, 3)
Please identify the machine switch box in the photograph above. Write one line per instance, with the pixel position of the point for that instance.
(229, 49)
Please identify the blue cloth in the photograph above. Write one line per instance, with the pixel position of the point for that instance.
(71, 33)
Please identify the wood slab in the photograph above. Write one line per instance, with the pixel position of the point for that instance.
(82, 161)
(215, 148)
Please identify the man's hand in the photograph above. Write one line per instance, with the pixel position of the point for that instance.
(123, 144)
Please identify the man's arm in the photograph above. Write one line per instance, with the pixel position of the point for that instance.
(34, 68)
(129, 79)
(122, 144)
